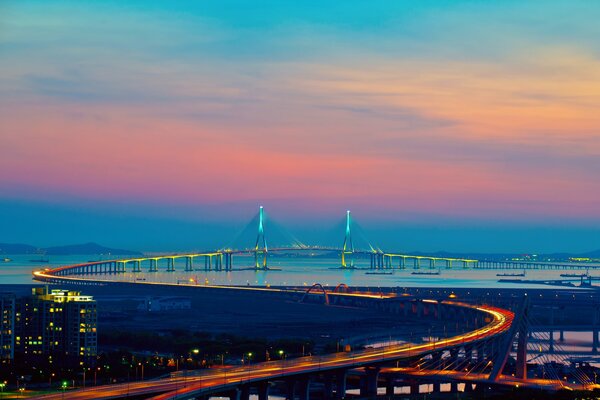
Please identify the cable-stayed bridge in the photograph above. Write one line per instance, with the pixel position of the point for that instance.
(354, 244)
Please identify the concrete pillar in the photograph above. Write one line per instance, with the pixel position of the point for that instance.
(436, 387)
(303, 388)
(369, 386)
(453, 387)
(189, 264)
(469, 353)
(263, 391)
(328, 387)
(234, 394)
(595, 341)
(389, 387)
(290, 389)
(551, 341)
(244, 392)
(340, 385)
(562, 336)
(414, 388)
(454, 356)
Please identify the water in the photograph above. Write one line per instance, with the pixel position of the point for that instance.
(297, 271)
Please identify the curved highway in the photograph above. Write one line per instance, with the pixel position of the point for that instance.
(213, 381)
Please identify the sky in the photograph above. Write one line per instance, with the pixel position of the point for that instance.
(443, 125)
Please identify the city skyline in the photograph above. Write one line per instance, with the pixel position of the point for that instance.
(457, 126)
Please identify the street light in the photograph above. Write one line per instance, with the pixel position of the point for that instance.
(281, 354)
(64, 387)
(142, 365)
(2, 385)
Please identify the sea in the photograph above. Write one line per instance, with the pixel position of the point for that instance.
(294, 271)
(305, 271)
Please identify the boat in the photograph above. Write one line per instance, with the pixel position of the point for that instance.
(425, 273)
(574, 275)
(511, 274)
(379, 273)
(6, 259)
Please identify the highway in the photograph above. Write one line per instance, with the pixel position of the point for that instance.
(220, 380)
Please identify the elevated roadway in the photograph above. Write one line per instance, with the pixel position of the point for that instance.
(220, 381)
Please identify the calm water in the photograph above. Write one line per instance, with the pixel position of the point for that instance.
(288, 271)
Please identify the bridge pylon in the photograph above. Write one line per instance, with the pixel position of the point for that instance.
(348, 247)
(519, 329)
(260, 249)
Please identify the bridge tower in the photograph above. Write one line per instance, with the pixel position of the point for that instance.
(348, 247)
(260, 249)
(519, 329)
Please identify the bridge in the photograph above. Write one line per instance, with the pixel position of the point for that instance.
(223, 259)
(475, 359)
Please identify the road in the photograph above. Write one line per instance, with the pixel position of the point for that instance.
(214, 381)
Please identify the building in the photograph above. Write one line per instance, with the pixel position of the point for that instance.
(57, 326)
(7, 327)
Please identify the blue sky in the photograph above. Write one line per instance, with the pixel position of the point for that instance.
(443, 125)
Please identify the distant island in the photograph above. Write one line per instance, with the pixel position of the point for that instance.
(83, 249)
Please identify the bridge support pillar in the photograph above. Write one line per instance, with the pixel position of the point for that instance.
(453, 356)
(328, 387)
(153, 266)
(263, 391)
(170, 265)
(290, 389)
(469, 353)
(389, 387)
(340, 385)
(189, 264)
(453, 387)
(436, 387)
(303, 386)
(369, 385)
(551, 341)
(521, 366)
(244, 392)
(595, 341)
(562, 336)
(414, 388)
(233, 394)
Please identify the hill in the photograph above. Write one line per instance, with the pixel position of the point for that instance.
(18, 248)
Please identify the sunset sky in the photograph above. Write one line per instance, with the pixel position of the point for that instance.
(442, 125)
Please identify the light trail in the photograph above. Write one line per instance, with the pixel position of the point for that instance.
(213, 381)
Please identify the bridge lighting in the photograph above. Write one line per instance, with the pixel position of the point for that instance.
(195, 351)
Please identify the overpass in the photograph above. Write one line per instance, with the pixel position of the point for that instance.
(238, 381)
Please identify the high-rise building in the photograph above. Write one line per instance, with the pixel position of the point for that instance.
(7, 327)
(58, 326)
